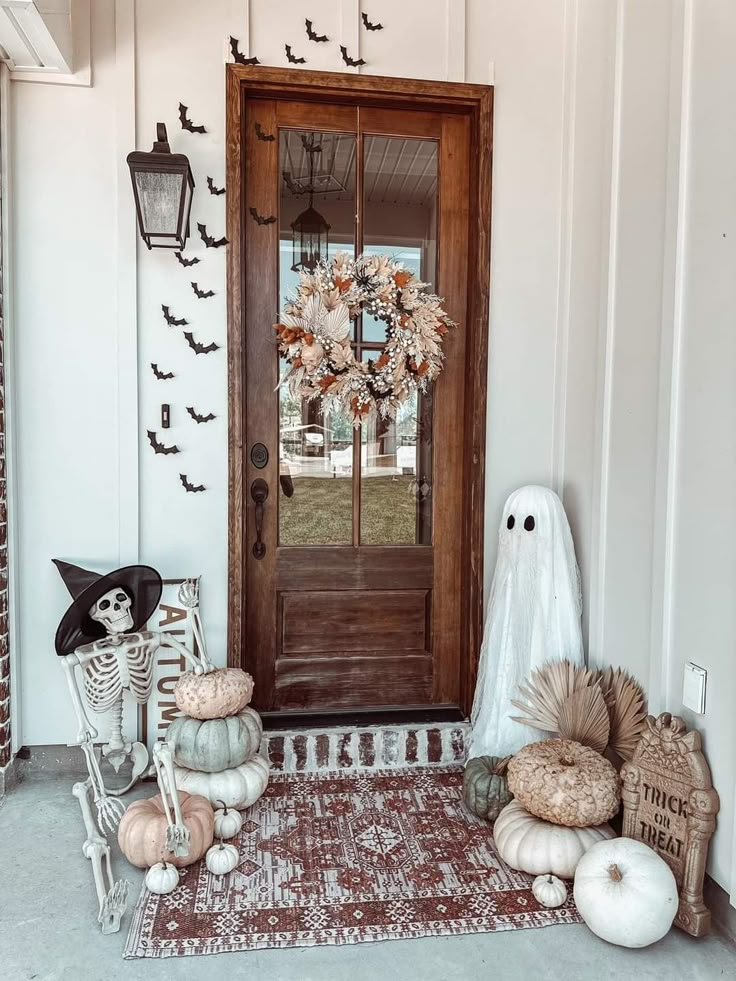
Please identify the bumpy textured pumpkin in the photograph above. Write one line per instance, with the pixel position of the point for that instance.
(625, 892)
(528, 844)
(564, 782)
(238, 787)
(485, 790)
(215, 744)
(142, 831)
(162, 878)
(549, 891)
(222, 692)
(222, 859)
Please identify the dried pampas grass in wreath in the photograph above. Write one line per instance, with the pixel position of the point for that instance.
(601, 709)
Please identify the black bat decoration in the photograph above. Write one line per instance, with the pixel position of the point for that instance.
(312, 35)
(260, 219)
(198, 418)
(213, 188)
(189, 487)
(262, 135)
(200, 348)
(171, 320)
(239, 58)
(202, 294)
(368, 25)
(186, 122)
(351, 62)
(186, 262)
(161, 375)
(292, 58)
(159, 447)
(209, 241)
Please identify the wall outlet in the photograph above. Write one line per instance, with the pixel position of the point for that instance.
(693, 688)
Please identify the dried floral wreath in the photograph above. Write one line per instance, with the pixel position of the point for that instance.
(314, 335)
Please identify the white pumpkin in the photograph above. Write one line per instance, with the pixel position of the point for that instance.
(626, 893)
(549, 891)
(221, 859)
(529, 844)
(239, 787)
(162, 878)
(215, 744)
(228, 821)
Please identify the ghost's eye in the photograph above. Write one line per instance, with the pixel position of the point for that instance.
(511, 522)
(529, 522)
(104, 604)
(121, 597)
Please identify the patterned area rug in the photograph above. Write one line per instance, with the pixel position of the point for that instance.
(346, 858)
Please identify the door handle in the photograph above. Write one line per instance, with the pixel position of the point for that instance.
(259, 493)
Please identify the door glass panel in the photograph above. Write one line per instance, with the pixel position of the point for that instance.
(400, 206)
(317, 205)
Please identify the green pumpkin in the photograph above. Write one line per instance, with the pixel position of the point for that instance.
(212, 745)
(485, 790)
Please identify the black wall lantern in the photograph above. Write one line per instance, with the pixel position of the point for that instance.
(310, 231)
(162, 187)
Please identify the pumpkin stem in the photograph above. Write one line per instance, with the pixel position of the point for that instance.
(224, 805)
(500, 767)
(615, 873)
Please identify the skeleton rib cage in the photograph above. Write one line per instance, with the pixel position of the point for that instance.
(106, 676)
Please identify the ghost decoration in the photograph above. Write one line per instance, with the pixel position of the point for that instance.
(533, 615)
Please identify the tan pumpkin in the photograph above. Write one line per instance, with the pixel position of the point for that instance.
(215, 695)
(528, 844)
(564, 782)
(142, 831)
(485, 789)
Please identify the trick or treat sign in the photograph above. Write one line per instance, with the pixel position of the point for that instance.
(173, 615)
(670, 805)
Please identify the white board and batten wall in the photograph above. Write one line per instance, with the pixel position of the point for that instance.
(610, 344)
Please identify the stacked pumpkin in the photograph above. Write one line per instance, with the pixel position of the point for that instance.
(216, 740)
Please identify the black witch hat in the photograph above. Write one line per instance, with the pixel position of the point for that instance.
(142, 583)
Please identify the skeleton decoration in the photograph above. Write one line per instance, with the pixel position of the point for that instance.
(103, 644)
(533, 615)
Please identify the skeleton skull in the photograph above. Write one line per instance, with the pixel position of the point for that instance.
(113, 611)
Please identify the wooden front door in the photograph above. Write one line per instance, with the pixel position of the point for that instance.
(351, 581)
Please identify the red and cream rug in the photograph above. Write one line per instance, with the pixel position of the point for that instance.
(346, 858)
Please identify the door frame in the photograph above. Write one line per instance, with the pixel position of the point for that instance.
(475, 101)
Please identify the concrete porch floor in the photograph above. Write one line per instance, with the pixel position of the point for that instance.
(48, 929)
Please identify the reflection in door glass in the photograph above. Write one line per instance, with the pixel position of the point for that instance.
(400, 204)
(316, 220)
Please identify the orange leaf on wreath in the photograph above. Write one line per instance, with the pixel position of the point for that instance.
(297, 363)
(404, 319)
(324, 383)
(402, 278)
(382, 361)
(423, 368)
(359, 410)
(309, 338)
(343, 284)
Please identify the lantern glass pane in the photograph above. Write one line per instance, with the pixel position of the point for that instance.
(159, 194)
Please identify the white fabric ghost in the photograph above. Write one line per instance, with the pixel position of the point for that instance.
(533, 615)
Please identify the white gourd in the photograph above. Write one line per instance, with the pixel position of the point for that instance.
(228, 821)
(626, 893)
(221, 859)
(529, 844)
(162, 878)
(238, 787)
(549, 891)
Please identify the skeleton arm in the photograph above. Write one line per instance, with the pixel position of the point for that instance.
(87, 731)
(177, 834)
(198, 665)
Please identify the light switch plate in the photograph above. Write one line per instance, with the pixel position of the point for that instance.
(693, 688)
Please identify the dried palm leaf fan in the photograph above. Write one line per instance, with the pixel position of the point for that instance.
(599, 709)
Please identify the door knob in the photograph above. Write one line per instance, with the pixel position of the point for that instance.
(259, 493)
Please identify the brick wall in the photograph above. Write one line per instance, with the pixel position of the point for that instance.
(5, 742)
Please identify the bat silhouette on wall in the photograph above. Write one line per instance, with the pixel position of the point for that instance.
(202, 294)
(312, 34)
(351, 62)
(171, 320)
(159, 447)
(292, 58)
(186, 262)
(209, 241)
(213, 188)
(261, 219)
(189, 487)
(238, 57)
(161, 375)
(198, 418)
(199, 348)
(186, 122)
(368, 25)
(262, 135)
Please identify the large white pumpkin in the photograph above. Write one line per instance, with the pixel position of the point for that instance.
(625, 892)
(529, 844)
(239, 786)
(215, 744)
